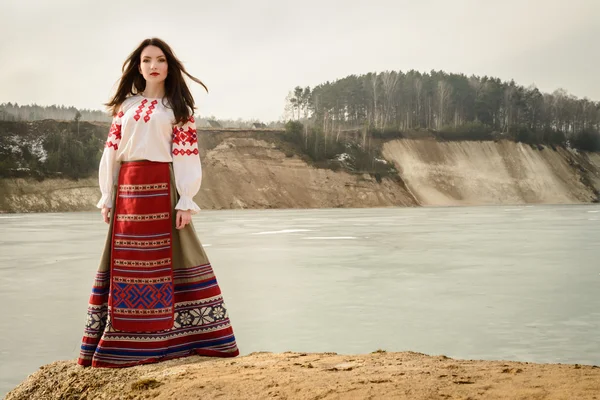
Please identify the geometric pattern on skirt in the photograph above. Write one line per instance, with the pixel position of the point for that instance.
(200, 324)
(141, 297)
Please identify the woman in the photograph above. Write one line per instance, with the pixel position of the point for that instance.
(155, 296)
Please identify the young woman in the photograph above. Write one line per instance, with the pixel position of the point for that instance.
(155, 296)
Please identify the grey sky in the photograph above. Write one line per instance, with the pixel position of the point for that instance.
(251, 53)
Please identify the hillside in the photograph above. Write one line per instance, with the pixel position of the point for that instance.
(263, 169)
(487, 172)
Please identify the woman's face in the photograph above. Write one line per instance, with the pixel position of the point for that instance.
(153, 64)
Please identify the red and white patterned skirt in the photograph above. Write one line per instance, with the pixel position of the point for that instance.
(155, 296)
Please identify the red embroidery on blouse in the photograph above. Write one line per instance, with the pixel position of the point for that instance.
(139, 110)
(181, 137)
(184, 137)
(147, 117)
(115, 130)
(120, 114)
(187, 152)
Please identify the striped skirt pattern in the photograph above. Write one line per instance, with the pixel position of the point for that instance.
(127, 312)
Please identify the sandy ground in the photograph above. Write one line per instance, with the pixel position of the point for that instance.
(379, 375)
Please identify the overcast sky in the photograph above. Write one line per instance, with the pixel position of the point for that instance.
(252, 53)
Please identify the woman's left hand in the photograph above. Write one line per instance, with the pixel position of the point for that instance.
(183, 218)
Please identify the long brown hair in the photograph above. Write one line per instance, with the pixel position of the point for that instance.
(176, 90)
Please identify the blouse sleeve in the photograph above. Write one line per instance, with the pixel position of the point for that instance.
(108, 162)
(186, 165)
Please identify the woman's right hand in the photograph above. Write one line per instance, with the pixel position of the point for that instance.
(106, 214)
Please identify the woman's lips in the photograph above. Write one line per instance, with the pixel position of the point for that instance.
(155, 74)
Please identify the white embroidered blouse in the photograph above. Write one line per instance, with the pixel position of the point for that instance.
(144, 129)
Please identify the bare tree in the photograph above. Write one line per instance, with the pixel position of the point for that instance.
(509, 95)
(298, 99)
(374, 82)
(390, 80)
(419, 94)
(306, 100)
(444, 92)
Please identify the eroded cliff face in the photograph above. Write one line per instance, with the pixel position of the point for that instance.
(253, 173)
(239, 171)
(19, 195)
(252, 170)
(474, 173)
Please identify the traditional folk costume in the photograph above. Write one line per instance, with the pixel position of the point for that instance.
(155, 296)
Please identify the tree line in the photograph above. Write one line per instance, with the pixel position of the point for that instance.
(50, 148)
(15, 112)
(452, 106)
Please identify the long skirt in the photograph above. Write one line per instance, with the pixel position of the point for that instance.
(155, 296)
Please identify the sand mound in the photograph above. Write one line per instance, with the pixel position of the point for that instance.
(378, 375)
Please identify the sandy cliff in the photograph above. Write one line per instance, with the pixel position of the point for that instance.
(504, 172)
(258, 170)
(240, 171)
(253, 173)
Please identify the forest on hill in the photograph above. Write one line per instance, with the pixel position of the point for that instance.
(449, 106)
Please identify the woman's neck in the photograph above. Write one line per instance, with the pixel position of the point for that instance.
(154, 91)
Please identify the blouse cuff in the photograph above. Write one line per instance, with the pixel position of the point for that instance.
(106, 200)
(186, 203)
